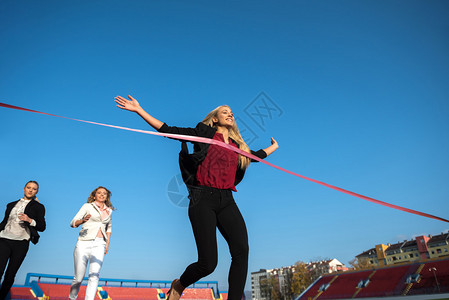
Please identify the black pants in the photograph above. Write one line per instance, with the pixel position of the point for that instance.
(15, 252)
(209, 209)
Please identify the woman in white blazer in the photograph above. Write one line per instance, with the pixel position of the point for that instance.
(93, 240)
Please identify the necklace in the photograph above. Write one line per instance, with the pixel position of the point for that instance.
(100, 208)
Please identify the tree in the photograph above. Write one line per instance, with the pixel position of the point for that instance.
(271, 288)
(287, 290)
(276, 294)
(360, 263)
(265, 287)
(301, 278)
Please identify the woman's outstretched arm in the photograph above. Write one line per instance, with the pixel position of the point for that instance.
(134, 106)
(272, 148)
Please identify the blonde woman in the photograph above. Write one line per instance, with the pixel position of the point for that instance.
(211, 174)
(93, 240)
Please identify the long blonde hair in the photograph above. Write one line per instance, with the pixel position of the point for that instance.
(234, 134)
(108, 198)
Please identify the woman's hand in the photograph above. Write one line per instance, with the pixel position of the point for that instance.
(82, 221)
(25, 218)
(106, 249)
(131, 105)
(274, 146)
(85, 218)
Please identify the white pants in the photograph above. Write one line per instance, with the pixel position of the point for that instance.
(92, 252)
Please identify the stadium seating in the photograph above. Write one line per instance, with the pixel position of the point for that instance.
(428, 277)
(387, 282)
(315, 289)
(61, 291)
(193, 294)
(434, 278)
(57, 291)
(344, 286)
(57, 287)
(383, 282)
(22, 293)
(128, 293)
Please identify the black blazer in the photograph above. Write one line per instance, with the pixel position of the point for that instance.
(35, 211)
(189, 162)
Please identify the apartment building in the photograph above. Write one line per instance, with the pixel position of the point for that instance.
(418, 249)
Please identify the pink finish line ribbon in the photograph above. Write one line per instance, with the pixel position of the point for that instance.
(224, 145)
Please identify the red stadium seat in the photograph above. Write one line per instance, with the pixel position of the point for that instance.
(21, 293)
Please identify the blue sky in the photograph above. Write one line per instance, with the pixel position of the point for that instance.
(359, 92)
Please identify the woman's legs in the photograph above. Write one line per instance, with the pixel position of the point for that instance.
(211, 208)
(233, 228)
(91, 252)
(81, 256)
(15, 252)
(202, 215)
(96, 261)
